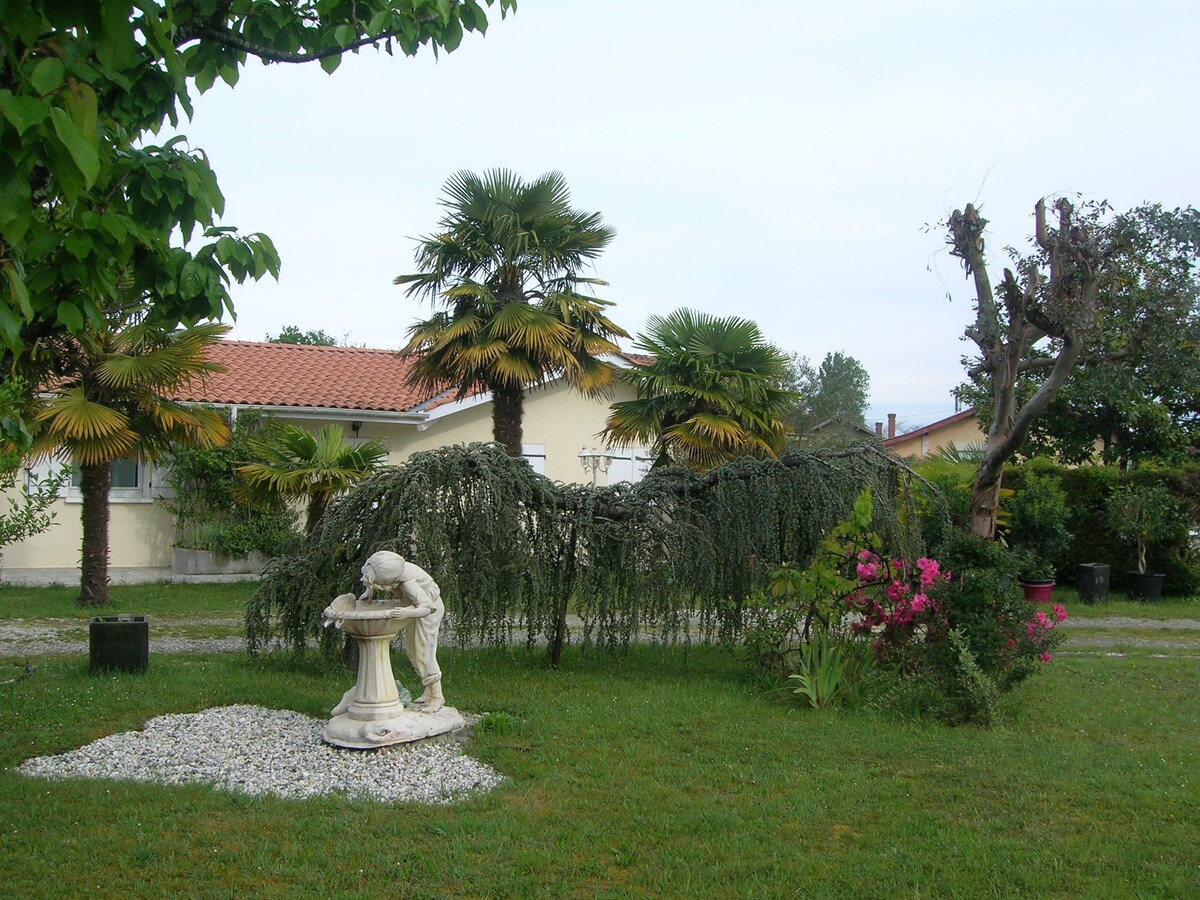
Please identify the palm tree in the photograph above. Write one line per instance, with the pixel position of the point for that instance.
(298, 465)
(110, 401)
(711, 392)
(507, 267)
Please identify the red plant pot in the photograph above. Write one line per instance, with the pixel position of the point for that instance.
(1038, 591)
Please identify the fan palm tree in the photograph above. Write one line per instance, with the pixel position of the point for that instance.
(507, 267)
(298, 465)
(711, 392)
(110, 400)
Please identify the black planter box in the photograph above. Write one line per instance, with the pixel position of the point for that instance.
(119, 644)
(1093, 582)
(1145, 587)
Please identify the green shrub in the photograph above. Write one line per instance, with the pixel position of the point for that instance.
(1038, 526)
(210, 514)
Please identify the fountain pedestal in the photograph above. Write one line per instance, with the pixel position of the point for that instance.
(371, 713)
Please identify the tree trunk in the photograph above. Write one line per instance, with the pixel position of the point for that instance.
(508, 408)
(95, 481)
(560, 614)
(985, 498)
(316, 510)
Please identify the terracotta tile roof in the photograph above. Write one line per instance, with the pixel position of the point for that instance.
(262, 374)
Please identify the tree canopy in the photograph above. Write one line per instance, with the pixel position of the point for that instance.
(90, 210)
(1136, 389)
(710, 393)
(1095, 290)
(291, 334)
(839, 389)
(507, 266)
(110, 401)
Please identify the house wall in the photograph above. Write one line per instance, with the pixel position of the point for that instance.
(141, 532)
(956, 434)
(556, 417)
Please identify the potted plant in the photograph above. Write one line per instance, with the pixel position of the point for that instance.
(1142, 515)
(1036, 577)
(1038, 532)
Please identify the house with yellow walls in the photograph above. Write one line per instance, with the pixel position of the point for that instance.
(958, 431)
(366, 392)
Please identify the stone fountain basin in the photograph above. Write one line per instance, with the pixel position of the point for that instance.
(371, 714)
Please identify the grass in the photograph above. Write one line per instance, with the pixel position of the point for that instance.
(1119, 605)
(656, 774)
(159, 600)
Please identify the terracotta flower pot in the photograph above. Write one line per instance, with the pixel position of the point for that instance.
(1038, 591)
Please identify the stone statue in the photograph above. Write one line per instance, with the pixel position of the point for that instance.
(423, 609)
(371, 713)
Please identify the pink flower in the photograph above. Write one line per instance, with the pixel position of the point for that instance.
(1042, 620)
(918, 602)
(1046, 657)
(867, 556)
(1060, 613)
(866, 571)
(929, 570)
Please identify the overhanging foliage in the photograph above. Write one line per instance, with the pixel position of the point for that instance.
(673, 557)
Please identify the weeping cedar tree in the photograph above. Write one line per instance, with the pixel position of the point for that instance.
(1044, 318)
(507, 266)
(675, 554)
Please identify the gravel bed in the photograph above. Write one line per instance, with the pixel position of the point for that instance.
(252, 750)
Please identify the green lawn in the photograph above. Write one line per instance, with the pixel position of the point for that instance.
(657, 774)
(163, 599)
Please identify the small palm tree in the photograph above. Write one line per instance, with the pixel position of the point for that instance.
(110, 401)
(507, 267)
(710, 394)
(299, 465)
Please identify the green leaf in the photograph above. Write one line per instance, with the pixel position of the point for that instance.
(379, 22)
(23, 112)
(10, 325)
(70, 316)
(345, 35)
(81, 104)
(79, 244)
(16, 287)
(205, 77)
(16, 206)
(453, 36)
(47, 76)
(330, 63)
(83, 152)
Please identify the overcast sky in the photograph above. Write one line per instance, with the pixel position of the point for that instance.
(777, 160)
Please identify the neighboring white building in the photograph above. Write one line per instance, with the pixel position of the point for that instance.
(366, 392)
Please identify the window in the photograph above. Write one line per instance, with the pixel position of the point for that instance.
(628, 464)
(129, 481)
(535, 455)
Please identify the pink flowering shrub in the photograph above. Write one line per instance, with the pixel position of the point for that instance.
(907, 609)
(956, 637)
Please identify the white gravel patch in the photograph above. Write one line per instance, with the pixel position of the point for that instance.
(255, 751)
